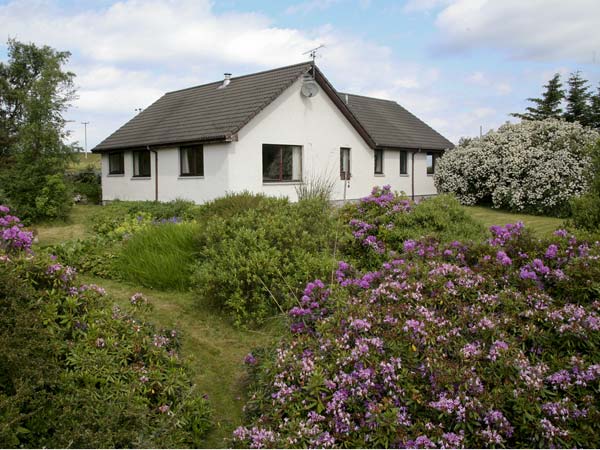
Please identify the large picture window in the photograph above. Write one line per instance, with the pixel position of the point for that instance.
(431, 157)
(282, 162)
(116, 163)
(379, 161)
(141, 163)
(403, 162)
(191, 161)
(344, 163)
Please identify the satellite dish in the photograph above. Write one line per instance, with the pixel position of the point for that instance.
(310, 89)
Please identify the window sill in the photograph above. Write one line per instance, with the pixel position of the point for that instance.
(281, 183)
(430, 174)
(190, 177)
(404, 175)
(379, 174)
(141, 178)
(115, 175)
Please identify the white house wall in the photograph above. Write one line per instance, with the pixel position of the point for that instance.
(171, 185)
(321, 129)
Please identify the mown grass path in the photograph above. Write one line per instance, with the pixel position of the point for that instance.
(214, 349)
(541, 226)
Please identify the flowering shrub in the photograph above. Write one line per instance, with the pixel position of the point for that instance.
(12, 236)
(382, 221)
(533, 166)
(446, 345)
(77, 371)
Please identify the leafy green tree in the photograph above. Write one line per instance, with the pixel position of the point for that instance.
(578, 96)
(35, 90)
(549, 105)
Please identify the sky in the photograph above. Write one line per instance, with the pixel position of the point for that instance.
(457, 64)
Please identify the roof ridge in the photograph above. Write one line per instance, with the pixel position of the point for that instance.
(365, 96)
(241, 76)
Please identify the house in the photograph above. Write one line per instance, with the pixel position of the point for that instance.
(266, 133)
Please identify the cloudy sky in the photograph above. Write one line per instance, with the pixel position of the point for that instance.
(457, 64)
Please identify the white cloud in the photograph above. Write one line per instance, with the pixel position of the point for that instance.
(532, 29)
(481, 79)
(129, 54)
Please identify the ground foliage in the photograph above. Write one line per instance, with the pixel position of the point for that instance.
(382, 221)
(449, 345)
(254, 264)
(78, 372)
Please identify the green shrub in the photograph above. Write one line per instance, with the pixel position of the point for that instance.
(113, 215)
(380, 223)
(75, 372)
(95, 255)
(236, 203)
(87, 185)
(159, 256)
(586, 209)
(253, 264)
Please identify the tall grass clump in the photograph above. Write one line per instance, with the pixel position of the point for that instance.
(159, 256)
(318, 186)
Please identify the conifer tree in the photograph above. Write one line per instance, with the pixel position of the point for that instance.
(578, 96)
(595, 110)
(549, 105)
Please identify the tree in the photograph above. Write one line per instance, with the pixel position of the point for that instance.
(578, 96)
(595, 110)
(35, 90)
(549, 105)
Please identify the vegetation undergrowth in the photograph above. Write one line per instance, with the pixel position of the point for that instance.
(212, 347)
(254, 264)
(76, 372)
(382, 221)
(484, 344)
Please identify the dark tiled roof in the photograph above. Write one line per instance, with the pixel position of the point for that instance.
(204, 113)
(390, 125)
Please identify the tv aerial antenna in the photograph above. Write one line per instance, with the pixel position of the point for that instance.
(313, 53)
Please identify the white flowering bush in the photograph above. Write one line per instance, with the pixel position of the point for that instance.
(533, 166)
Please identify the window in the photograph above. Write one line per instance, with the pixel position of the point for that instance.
(191, 161)
(141, 163)
(116, 163)
(282, 162)
(403, 162)
(344, 163)
(431, 157)
(379, 161)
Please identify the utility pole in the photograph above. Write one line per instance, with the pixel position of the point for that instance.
(85, 124)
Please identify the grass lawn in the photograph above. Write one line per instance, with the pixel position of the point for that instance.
(542, 226)
(214, 348)
(78, 226)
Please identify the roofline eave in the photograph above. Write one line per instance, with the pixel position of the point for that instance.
(165, 144)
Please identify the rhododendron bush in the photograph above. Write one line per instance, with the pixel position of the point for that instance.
(76, 370)
(533, 166)
(450, 345)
